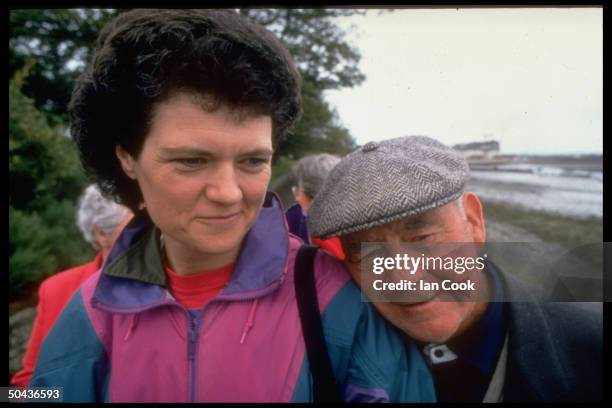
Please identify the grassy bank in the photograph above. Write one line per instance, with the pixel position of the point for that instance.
(549, 227)
(563, 251)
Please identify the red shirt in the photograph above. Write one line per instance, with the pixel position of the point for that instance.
(53, 294)
(194, 291)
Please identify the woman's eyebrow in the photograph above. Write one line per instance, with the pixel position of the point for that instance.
(194, 151)
(258, 152)
(184, 150)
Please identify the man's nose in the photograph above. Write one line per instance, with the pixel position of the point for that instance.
(223, 187)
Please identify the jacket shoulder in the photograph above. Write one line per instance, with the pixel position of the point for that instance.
(375, 362)
(578, 326)
(73, 354)
(330, 274)
(68, 278)
(555, 349)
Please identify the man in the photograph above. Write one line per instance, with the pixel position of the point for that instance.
(100, 221)
(309, 174)
(411, 190)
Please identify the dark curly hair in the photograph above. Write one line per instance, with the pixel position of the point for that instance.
(142, 57)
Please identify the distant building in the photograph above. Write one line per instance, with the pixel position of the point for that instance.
(479, 150)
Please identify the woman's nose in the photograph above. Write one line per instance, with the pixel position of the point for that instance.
(223, 186)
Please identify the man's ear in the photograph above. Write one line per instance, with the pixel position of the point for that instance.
(126, 160)
(474, 216)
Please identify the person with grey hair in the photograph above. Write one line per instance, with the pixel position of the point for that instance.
(412, 190)
(100, 220)
(309, 174)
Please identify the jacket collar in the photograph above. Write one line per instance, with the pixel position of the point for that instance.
(133, 277)
(531, 342)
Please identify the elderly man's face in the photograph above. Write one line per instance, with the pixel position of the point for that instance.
(434, 320)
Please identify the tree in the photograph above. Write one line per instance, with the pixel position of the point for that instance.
(60, 41)
(44, 182)
(326, 61)
(316, 43)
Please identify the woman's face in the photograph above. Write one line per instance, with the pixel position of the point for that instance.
(203, 177)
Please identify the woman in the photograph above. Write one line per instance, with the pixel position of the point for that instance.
(177, 117)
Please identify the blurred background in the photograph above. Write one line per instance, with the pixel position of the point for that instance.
(518, 91)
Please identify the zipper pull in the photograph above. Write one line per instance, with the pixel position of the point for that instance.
(250, 321)
(131, 327)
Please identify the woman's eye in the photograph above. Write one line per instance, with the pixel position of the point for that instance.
(191, 163)
(255, 162)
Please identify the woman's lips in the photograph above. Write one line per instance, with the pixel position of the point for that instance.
(220, 219)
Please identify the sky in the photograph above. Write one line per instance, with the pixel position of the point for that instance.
(528, 78)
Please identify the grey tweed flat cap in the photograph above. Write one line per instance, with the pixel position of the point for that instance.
(386, 181)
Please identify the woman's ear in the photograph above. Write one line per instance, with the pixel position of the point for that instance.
(126, 160)
(474, 216)
(101, 238)
(303, 200)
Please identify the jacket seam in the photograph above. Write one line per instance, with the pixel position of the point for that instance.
(379, 378)
(50, 367)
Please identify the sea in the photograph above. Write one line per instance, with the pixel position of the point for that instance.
(566, 191)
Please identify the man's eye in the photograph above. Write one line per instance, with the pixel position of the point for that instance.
(352, 251)
(375, 251)
(421, 238)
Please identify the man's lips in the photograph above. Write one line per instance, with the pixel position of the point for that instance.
(417, 303)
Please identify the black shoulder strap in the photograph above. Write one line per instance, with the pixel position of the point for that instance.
(326, 388)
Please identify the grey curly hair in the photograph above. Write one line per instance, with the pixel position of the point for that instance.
(311, 171)
(98, 211)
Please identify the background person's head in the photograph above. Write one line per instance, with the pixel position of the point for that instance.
(179, 111)
(309, 174)
(100, 220)
(403, 190)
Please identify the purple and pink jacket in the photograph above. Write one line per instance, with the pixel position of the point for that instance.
(124, 338)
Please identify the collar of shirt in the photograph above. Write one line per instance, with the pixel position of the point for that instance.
(194, 291)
